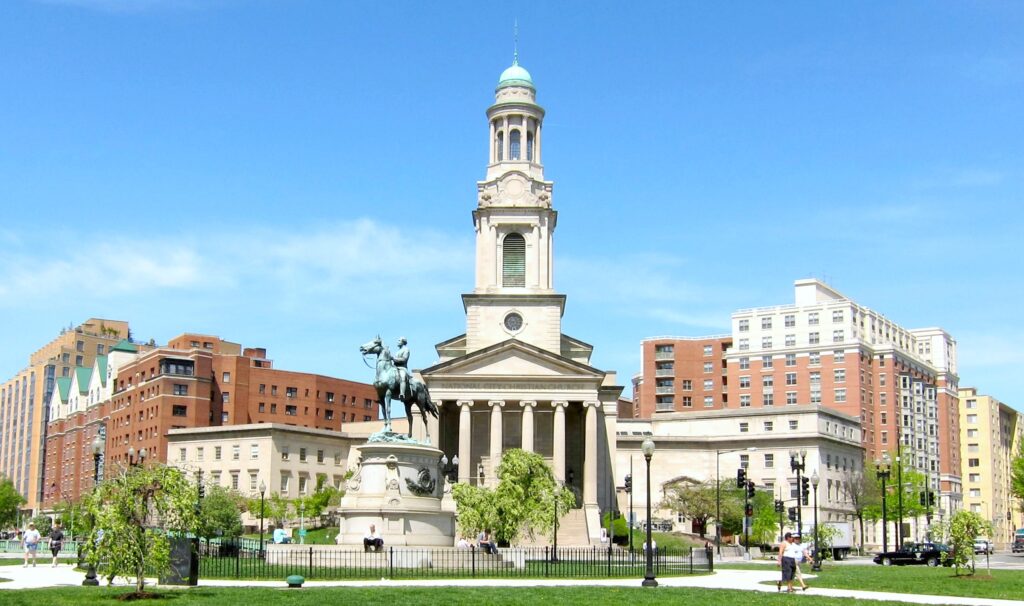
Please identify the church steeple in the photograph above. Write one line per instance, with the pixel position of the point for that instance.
(514, 223)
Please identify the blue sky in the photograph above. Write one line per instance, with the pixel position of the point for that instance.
(278, 172)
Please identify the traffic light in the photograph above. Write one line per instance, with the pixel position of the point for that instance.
(792, 514)
(779, 506)
(749, 510)
(202, 490)
(751, 491)
(629, 483)
(741, 478)
(931, 498)
(805, 489)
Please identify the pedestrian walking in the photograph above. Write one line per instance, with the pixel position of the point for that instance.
(56, 541)
(788, 552)
(31, 540)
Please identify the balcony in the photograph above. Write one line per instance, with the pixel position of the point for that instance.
(664, 372)
(664, 355)
(664, 390)
(664, 407)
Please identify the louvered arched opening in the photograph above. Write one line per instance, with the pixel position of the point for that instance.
(513, 261)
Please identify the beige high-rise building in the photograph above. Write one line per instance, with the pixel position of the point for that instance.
(991, 435)
(25, 397)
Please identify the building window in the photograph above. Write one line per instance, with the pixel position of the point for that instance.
(972, 433)
(273, 408)
(329, 415)
(766, 342)
(769, 426)
(513, 261)
(226, 397)
(766, 323)
(330, 396)
(687, 401)
(974, 462)
(302, 454)
(179, 411)
(790, 378)
(273, 390)
(744, 325)
(744, 344)
(709, 385)
(769, 460)
(744, 400)
(790, 340)
(319, 456)
(79, 360)
(285, 483)
(974, 477)
(291, 392)
(837, 316)
(216, 453)
(790, 398)
(224, 418)
(767, 381)
(513, 145)
(708, 350)
(766, 362)
(815, 377)
(744, 427)
(500, 144)
(226, 377)
(708, 367)
(284, 453)
(814, 358)
(709, 401)
(687, 385)
(815, 396)
(181, 454)
(529, 146)
(840, 395)
(253, 482)
(254, 451)
(236, 452)
(745, 382)
(199, 453)
(303, 484)
(839, 375)
(745, 461)
(972, 418)
(291, 410)
(263, 388)
(813, 338)
(337, 458)
(812, 318)
(744, 363)
(99, 349)
(794, 424)
(263, 407)
(839, 356)
(885, 437)
(180, 390)
(767, 399)
(234, 481)
(837, 336)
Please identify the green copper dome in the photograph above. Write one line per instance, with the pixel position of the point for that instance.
(515, 76)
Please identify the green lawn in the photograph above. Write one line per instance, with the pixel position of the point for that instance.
(318, 536)
(446, 596)
(1002, 584)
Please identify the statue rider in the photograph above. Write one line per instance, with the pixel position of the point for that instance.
(401, 361)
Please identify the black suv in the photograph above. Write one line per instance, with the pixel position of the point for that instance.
(930, 554)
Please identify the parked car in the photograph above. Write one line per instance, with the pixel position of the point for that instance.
(929, 554)
(1018, 544)
(983, 546)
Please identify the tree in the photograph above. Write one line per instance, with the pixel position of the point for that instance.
(220, 514)
(275, 508)
(1017, 477)
(523, 501)
(75, 517)
(865, 495)
(962, 528)
(313, 506)
(10, 503)
(696, 501)
(134, 513)
(766, 522)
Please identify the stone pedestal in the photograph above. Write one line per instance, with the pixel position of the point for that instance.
(399, 489)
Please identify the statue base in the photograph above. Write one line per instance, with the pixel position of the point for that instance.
(398, 487)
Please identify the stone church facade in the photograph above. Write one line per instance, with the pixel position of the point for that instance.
(513, 379)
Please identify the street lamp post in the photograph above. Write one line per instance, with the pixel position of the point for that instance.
(302, 523)
(797, 463)
(649, 581)
(899, 498)
(97, 453)
(718, 494)
(883, 475)
(817, 549)
(263, 492)
(134, 461)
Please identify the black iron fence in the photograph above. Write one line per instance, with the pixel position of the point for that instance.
(230, 560)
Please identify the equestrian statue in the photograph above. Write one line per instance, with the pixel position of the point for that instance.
(393, 380)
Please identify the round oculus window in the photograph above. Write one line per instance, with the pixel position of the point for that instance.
(513, 322)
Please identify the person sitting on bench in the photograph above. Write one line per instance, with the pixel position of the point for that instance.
(372, 540)
(487, 543)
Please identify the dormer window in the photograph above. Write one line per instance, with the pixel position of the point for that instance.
(513, 261)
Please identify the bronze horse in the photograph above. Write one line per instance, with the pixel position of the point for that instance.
(386, 384)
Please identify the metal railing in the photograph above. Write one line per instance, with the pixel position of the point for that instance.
(319, 562)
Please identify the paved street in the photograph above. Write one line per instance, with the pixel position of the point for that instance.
(749, 580)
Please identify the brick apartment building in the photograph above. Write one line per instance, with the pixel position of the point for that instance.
(829, 351)
(194, 381)
(23, 399)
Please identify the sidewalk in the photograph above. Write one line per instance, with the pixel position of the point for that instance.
(748, 580)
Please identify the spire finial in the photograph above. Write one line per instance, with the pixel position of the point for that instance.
(515, 42)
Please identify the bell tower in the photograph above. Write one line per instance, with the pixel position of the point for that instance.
(514, 293)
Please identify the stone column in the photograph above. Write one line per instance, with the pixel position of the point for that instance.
(496, 406)
(466, 467)
(558, 440)
(527, 424)
(590, 453)
(491, 143)
(505, 139)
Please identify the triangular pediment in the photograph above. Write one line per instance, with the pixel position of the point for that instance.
(515, 359)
